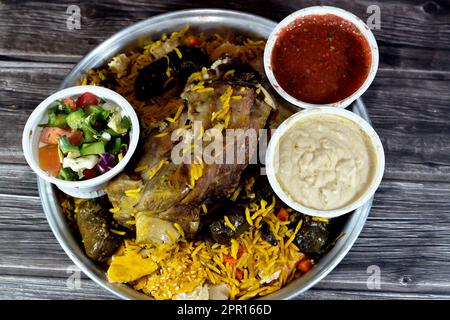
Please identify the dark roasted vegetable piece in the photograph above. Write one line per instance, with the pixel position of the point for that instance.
(244, 73)
(165, 72)
(153, 80)
(267, 234)
(192, 60)
(98, 241)
(221, 232)
(313, 237)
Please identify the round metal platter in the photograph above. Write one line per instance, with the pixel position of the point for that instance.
(209, 21)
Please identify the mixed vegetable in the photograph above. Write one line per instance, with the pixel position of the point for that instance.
(83, 138)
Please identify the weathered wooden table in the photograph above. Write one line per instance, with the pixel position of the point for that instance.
(407, 236)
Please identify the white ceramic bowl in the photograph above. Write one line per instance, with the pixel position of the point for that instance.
(320, 10)
(91, 188)
(272, 157)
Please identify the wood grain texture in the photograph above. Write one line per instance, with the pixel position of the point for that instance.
(408, 231)
(37, 288)
(410, 33)
(23, 86)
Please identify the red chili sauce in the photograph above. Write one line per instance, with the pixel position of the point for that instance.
(321, 59)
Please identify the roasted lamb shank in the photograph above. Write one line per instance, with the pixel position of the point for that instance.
(225, 96)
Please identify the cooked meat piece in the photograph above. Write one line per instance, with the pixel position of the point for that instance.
(93, 224)
(221, 180)
(154, 152)
(150, 228)
(187, 216)
(165, 189)
(115, 190)
(202, 105)
(170, 191)
(155, 149)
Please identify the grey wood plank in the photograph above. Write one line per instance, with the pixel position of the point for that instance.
(17, 179)
(407, 235)
(38, 288)
(329, 294)
(410, 112)
(414, 34)
(41, 288)
(22, 87)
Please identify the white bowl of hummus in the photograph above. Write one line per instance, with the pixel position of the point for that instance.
(325, 161)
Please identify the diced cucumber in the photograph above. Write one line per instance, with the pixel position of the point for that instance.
(99, 112)
(89, 133)
(68, 174)
(60, 155)
(88, 136)
(63, 107)
(126, 123)
(75, 119)
(92, 148)
(115, 147)
(65, 146)
(57, 120)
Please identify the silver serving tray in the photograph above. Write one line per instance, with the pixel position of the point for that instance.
(199, 20)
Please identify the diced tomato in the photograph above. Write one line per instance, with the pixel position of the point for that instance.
(239, 274)
(75, 137)
(283, 215)
(51, 135)
(193, 41)
(304, 265)
(229, 259)
(70, 103)
(87, 99)
(90, 173)
(49, 159)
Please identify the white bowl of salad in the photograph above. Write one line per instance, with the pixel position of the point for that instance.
(80, 138)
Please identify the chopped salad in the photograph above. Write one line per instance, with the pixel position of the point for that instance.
(83, 138)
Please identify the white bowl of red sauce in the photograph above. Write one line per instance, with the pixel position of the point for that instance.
(321, 56)
(81, 137)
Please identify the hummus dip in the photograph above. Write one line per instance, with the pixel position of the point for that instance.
(325, 162)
